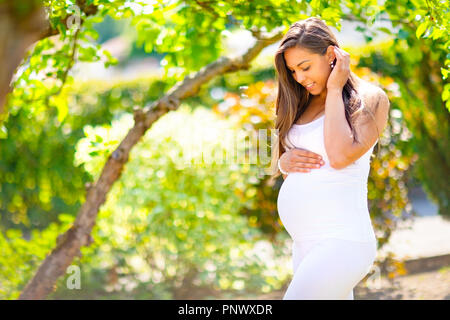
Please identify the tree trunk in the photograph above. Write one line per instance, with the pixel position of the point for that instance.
(22, 23)
(17, 33)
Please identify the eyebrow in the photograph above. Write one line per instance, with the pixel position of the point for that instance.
(300, 63)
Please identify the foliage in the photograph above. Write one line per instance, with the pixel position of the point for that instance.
(172, 220)
(166, 27)
(35, 185)
(20, 256)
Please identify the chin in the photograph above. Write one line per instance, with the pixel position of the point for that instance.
(314, 93)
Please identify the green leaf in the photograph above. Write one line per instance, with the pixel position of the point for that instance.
(385, 30)
(429, 32)
(361, 29)
(66, 218)
(98, 138)
(446, 92)
(422, 28)
(445, 73)
(3, 132)
(87, 53)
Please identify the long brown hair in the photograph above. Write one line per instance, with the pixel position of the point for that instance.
(292, 98)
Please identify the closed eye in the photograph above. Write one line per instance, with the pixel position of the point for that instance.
(293, 71)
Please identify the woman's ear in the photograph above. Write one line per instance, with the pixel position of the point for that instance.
(331, 56)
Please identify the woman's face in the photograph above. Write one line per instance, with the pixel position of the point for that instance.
(309, 68)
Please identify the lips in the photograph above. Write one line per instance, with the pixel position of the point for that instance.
(310, 85)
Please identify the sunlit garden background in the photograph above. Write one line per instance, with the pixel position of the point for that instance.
(172, 225)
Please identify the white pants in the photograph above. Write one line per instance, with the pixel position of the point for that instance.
(329, 269)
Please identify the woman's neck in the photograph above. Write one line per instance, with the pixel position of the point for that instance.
(319, 100)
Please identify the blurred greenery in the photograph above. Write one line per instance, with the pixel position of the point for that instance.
(20, 256)
(172, 231)
(35, 184)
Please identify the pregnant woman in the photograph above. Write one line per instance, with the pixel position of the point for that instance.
(328, 122)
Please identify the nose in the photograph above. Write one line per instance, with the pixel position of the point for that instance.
(299, 78)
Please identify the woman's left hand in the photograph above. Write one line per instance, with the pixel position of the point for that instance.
(341, 71)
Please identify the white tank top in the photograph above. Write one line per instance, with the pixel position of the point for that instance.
(325, 202)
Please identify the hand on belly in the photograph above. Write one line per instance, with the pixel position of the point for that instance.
(300, 160)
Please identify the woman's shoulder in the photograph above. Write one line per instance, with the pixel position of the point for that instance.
(376, 103)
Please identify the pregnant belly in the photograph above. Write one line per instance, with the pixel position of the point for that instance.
(310, 205)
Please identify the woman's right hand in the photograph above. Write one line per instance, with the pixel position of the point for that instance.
(300, 160)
